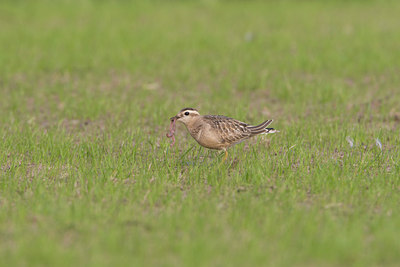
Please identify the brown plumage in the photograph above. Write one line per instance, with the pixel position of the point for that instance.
(216, 131)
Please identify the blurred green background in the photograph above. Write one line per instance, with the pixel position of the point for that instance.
(87, 176)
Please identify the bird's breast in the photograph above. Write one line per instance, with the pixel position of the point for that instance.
(205, 136)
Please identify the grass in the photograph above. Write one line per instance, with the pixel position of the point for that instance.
(88, 178)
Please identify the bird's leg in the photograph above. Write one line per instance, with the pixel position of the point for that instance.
(225, 157)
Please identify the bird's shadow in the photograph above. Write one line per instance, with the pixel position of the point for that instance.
(205, 158)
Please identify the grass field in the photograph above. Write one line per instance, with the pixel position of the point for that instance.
(88, 177)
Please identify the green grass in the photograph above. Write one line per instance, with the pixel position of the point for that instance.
(87, 175)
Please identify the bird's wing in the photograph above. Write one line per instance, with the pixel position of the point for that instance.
(231, 131)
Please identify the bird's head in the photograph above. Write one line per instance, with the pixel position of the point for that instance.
(186, 115)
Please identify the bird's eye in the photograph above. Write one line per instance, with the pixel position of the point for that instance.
(187, 113)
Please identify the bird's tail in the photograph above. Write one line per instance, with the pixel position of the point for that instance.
(262, 128)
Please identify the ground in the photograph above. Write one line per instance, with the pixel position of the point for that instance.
(88, 177)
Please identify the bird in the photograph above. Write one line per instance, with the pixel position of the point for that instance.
(217, 131)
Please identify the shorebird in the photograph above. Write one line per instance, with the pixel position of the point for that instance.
(216, 131)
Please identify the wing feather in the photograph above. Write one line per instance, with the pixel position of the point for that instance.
(230, 130)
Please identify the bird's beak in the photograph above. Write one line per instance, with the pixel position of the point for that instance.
(173, 118)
